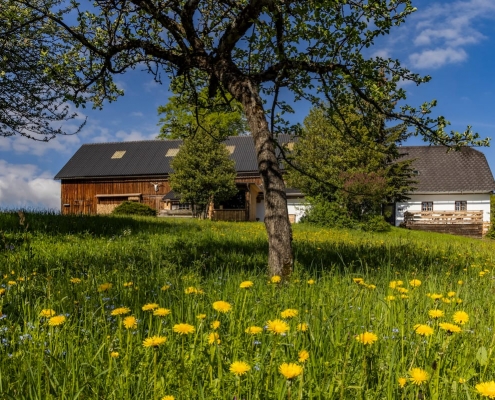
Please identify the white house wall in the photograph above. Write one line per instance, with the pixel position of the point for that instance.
(297, 207)
(444, 202)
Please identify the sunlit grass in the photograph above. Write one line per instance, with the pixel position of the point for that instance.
(148, 308)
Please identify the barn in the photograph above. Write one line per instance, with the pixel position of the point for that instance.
(100, 176)
(452, 193)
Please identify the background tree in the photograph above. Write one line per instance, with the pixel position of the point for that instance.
(254, 50)
(352, 160)
(186, 113)
(203, 173)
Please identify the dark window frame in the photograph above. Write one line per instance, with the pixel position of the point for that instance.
(426, 206)
(461, 205)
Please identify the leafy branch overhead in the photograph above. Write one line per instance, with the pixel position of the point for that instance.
(312, 48)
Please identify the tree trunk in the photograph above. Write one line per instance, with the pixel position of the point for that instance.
(277, 223)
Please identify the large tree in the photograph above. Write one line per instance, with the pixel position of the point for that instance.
(256, 50)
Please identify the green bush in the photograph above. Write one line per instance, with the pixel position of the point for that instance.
(331, 215)
(132, 208)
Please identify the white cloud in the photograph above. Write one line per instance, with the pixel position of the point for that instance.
(442, 31)
(137, 114)
(24, 185)
(134, 135)
(437, 57)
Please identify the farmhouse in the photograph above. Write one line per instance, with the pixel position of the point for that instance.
(452, 193)
(101, 176)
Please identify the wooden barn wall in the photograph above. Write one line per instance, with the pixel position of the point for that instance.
(80, 195)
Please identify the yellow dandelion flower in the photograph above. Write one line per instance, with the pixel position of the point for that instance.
(458, 301)
(191, 290)
(446, 301)
(418, 376)
(213, 338)
(402, 382)
(436, 296)
(150, 307)
(169, 397)
(462, 381)
(114, 354)
(277, 327)
(120, 311)
(201, 316)
(390, 298)
(222, 306)
(104, 287)
(358, 280)
(311, 282)
(161, 312)
(450, 328)
(246, 284)
(57, 320)
(435, 314)
(11, 283)
(460, 282)
(165, 287)
(183, 329)
(75, 280)
(275, 279)
(128, 284)
(47, 313)
(367, 338)
(289, 313)
(402, 290)
(130, 322)
(482, 273)
(154, 341)
(486, 389)
(460, 317)
(290, 370)
(215, 325)
(303, 327)
(392, 284)
(404, 296)
(239, 368)
(451, 294)
(423, 330)
(303, 356)
(253, 330)
(371, 286)
(415, 283)
(2, 291)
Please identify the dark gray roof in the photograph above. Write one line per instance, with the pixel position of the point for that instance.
(145, 158)
(439, 171)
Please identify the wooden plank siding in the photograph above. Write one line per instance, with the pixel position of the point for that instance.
(79, 196)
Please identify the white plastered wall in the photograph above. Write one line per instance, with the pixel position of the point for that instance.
(296, 207)
(444, 202)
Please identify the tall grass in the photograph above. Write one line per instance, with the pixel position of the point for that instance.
(345, 284)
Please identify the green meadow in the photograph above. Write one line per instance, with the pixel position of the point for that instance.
(145, 308)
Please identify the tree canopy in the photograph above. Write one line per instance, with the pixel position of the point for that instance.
(187, 113)
(350, 160)
(203, 173)
(260, 51)
(33, 96)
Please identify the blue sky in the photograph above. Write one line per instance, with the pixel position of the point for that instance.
(453, 41)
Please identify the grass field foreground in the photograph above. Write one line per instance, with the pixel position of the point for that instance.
(143, 308)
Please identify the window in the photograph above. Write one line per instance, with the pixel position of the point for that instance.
(427, 206)
(181, 206)
(461, 205)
